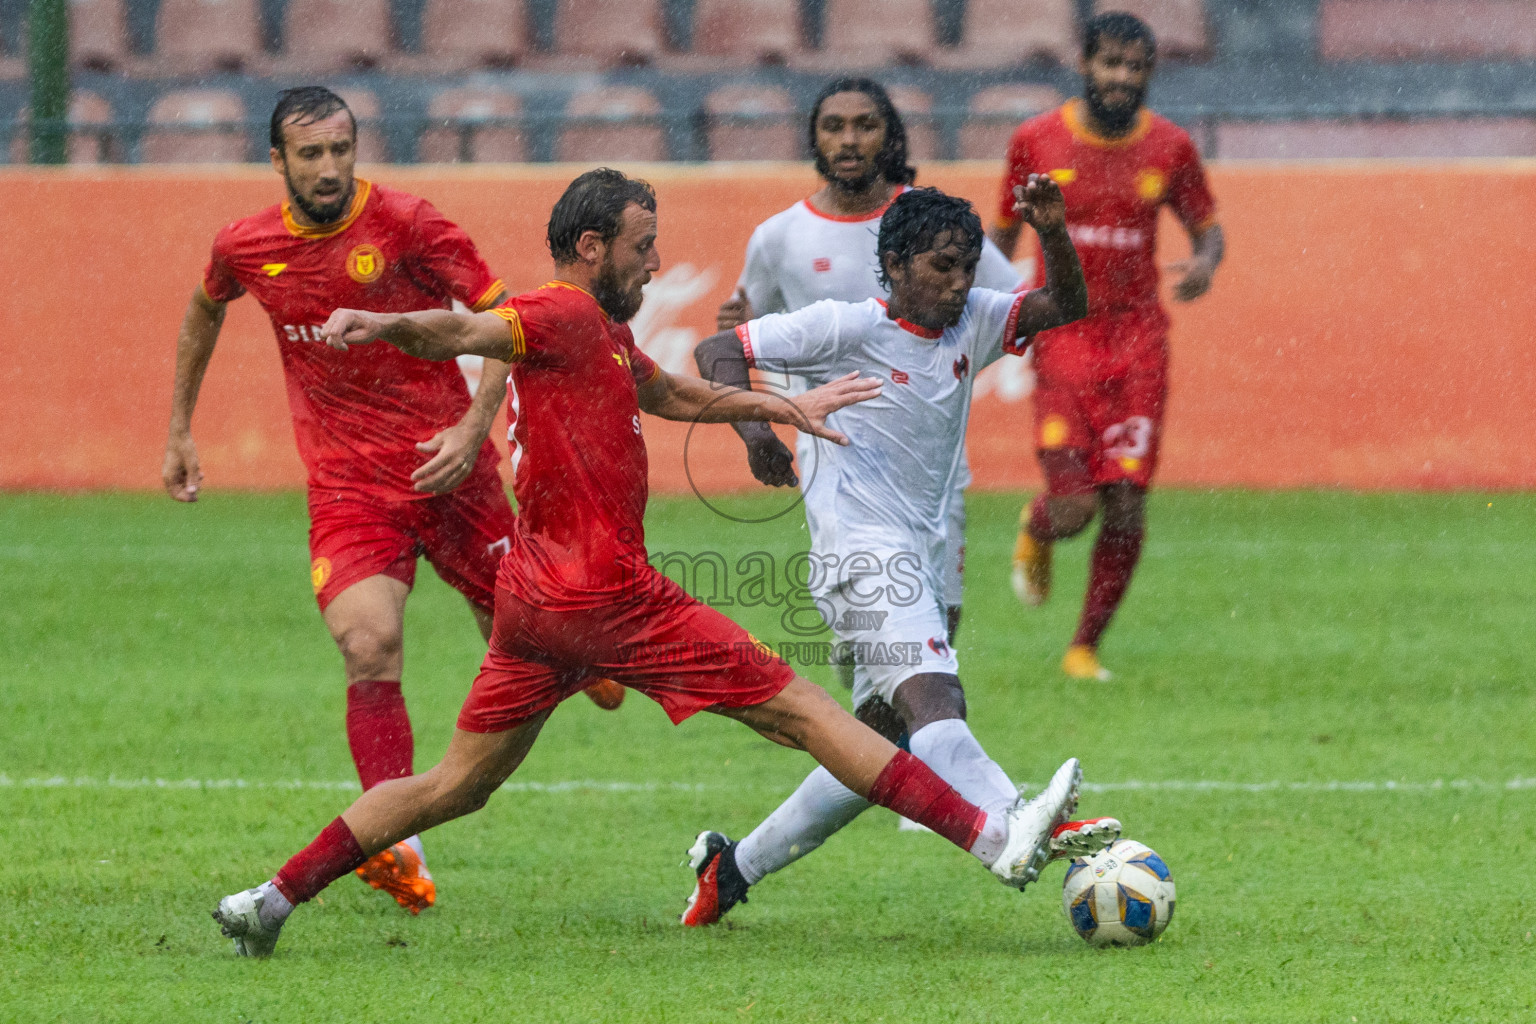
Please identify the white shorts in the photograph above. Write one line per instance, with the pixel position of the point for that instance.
(887, 642)
(954, 552)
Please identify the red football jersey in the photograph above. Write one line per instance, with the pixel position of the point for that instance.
(578, 458)
(1113, 189)
(358, 414)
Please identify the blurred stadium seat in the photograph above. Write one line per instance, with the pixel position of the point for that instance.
(1408, 29)
(1008, 33)
(196, 126)
(759, 31)
(995, 112)
(331, 36)
(1436, 138)
(1179, 25)
(609, 32)
(90, 141)
(612, 123)
(873, 33)
(371, 147)
(98, 35)
(198, 36)
(746, 122)
(916, 109)
(458, 34)
(467, 126)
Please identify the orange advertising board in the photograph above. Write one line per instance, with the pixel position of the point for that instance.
(1371, 327)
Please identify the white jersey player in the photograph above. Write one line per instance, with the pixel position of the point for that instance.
(882, 503)
(824, 248)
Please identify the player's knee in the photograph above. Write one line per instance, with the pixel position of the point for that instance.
(1124, 508)
(1071, 513)
(928, 698)
(370, 651)
(806, 711)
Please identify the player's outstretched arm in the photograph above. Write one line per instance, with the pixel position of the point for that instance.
(436, 334)
(1065, 296)
(678, 397)
(199, 334)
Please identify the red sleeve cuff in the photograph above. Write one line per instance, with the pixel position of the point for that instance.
(1014, 346)
(746, 344)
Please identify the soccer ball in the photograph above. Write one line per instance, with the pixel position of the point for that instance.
(1121, 896)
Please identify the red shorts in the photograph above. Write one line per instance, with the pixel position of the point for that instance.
(464, 533)
(1100, 387)
(677, 651)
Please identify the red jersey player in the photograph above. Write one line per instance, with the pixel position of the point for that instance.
(1101, 382)
(398, 460)
(575, 597)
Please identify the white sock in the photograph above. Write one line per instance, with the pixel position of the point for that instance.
(948, 748)
(275, 907)
(818, 808)
(994, 836)
(414, 842)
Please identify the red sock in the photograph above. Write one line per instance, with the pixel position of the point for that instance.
(333, 853)
(379, 731)
(911, 789)
(1109, 576)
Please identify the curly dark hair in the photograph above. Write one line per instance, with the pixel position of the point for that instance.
(1119, 26)
(892, 160)
(310, 103)
(595, 201)
(915, 221)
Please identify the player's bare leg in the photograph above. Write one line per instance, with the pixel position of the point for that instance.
(474, 767)
(367, 621)
(1116, 551)
(1064, 509)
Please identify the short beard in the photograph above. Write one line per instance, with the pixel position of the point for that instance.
(620, 305)
(326, 214)
(1117, 119)
(863, 183)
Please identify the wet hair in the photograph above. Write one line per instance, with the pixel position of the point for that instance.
(1119, 26)
(917, 218)
(892, 160)
(595, 201)
(305, 105)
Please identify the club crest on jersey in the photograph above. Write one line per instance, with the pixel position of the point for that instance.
(962, 367)
(939, 646)
(1150, 185)
(365, 264)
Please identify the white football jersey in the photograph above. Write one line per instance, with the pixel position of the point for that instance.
(888, 493)
(802, 255)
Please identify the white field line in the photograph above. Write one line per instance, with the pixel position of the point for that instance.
(607, 786)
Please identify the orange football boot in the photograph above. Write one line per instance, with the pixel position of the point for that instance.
(401, 873)
(1031, 568)
(606, 694)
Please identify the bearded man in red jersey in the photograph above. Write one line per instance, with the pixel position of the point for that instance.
(396, 449)
(575, 596)
(1102, 382)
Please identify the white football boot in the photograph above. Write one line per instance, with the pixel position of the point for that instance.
(1030, 824)
(239, 917)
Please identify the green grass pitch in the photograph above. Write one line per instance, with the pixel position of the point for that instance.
(1276, 650)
